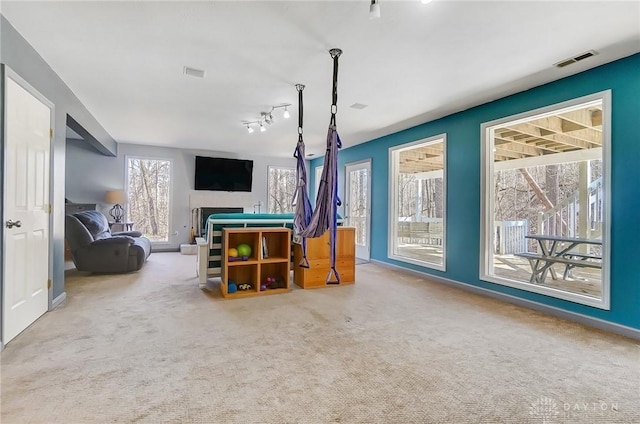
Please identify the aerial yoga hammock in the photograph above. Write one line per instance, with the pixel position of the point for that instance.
(308, 223)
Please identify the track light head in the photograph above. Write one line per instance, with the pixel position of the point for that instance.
(374, 9)
(286, 113)
(249, 129)
(262, 128)
(267, 118)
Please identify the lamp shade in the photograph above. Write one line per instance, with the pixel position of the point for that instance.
(116, 197)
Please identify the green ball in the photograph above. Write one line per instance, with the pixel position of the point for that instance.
(244, 249)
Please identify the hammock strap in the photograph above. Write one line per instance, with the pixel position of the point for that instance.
(335, 54)
(300, 87)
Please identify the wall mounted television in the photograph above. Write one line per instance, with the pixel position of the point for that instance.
(222, 174)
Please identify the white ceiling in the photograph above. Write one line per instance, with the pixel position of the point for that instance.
(124, 61)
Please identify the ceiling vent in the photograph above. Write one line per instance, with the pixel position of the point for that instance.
(193, 72)
(358, 106)
(578, 58)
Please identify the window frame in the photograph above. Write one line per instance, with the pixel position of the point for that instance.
(487, 201)
(269, 168)
(171, 176)
(318, 177)
(392, 234)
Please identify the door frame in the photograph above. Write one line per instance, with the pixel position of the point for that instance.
(5, 73)
(368, 163)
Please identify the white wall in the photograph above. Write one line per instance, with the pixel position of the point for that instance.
(89, 175)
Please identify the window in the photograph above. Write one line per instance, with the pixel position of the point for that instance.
(148, 188)
(319, 170)
(282, 186)
(545, 201)
(417, 202)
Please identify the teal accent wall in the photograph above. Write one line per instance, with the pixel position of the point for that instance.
(622, 77)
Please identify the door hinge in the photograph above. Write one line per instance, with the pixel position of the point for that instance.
(49, 283)
(51, 133)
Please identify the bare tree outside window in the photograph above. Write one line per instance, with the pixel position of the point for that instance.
(149, 182)
(282, 185)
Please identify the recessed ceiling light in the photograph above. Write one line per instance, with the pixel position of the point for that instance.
(193, 72)
(358, 106)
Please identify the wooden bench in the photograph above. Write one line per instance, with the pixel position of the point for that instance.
(540, 264)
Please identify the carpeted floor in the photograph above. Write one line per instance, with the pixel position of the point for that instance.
(151, 347)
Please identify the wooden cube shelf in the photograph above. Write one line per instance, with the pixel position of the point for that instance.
(270, 257)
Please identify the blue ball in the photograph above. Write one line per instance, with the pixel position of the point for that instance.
(232, 288)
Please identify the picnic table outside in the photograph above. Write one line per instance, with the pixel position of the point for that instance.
(559, 249)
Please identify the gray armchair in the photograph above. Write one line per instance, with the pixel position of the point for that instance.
(95, 249)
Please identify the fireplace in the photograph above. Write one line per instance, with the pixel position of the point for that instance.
(203, 214)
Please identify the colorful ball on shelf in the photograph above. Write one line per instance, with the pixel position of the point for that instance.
(232, 253)
(232, 288)
(263, 287)
(244, 249)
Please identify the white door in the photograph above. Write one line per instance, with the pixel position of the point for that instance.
(358, 204)
(26, 203)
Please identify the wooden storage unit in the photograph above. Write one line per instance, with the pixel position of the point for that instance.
(319, 257)
(270, 257)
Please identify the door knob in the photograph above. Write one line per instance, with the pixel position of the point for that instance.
(11, 224)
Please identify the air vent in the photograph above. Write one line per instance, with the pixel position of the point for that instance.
(193, 72)
(358, 106)
(578, 58)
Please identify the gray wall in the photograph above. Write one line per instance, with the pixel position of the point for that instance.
(90, 175)
(17, 54)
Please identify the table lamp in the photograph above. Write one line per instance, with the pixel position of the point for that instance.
(116, 197)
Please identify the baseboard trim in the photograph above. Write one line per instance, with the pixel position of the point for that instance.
(530, 304)
(58, 300)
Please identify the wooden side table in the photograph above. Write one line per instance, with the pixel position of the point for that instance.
(117, 227)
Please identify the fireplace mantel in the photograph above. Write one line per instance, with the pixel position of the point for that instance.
(208, 199)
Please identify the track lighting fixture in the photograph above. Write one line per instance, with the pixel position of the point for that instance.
(267, 118)
(286, 114)
(374, 9)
